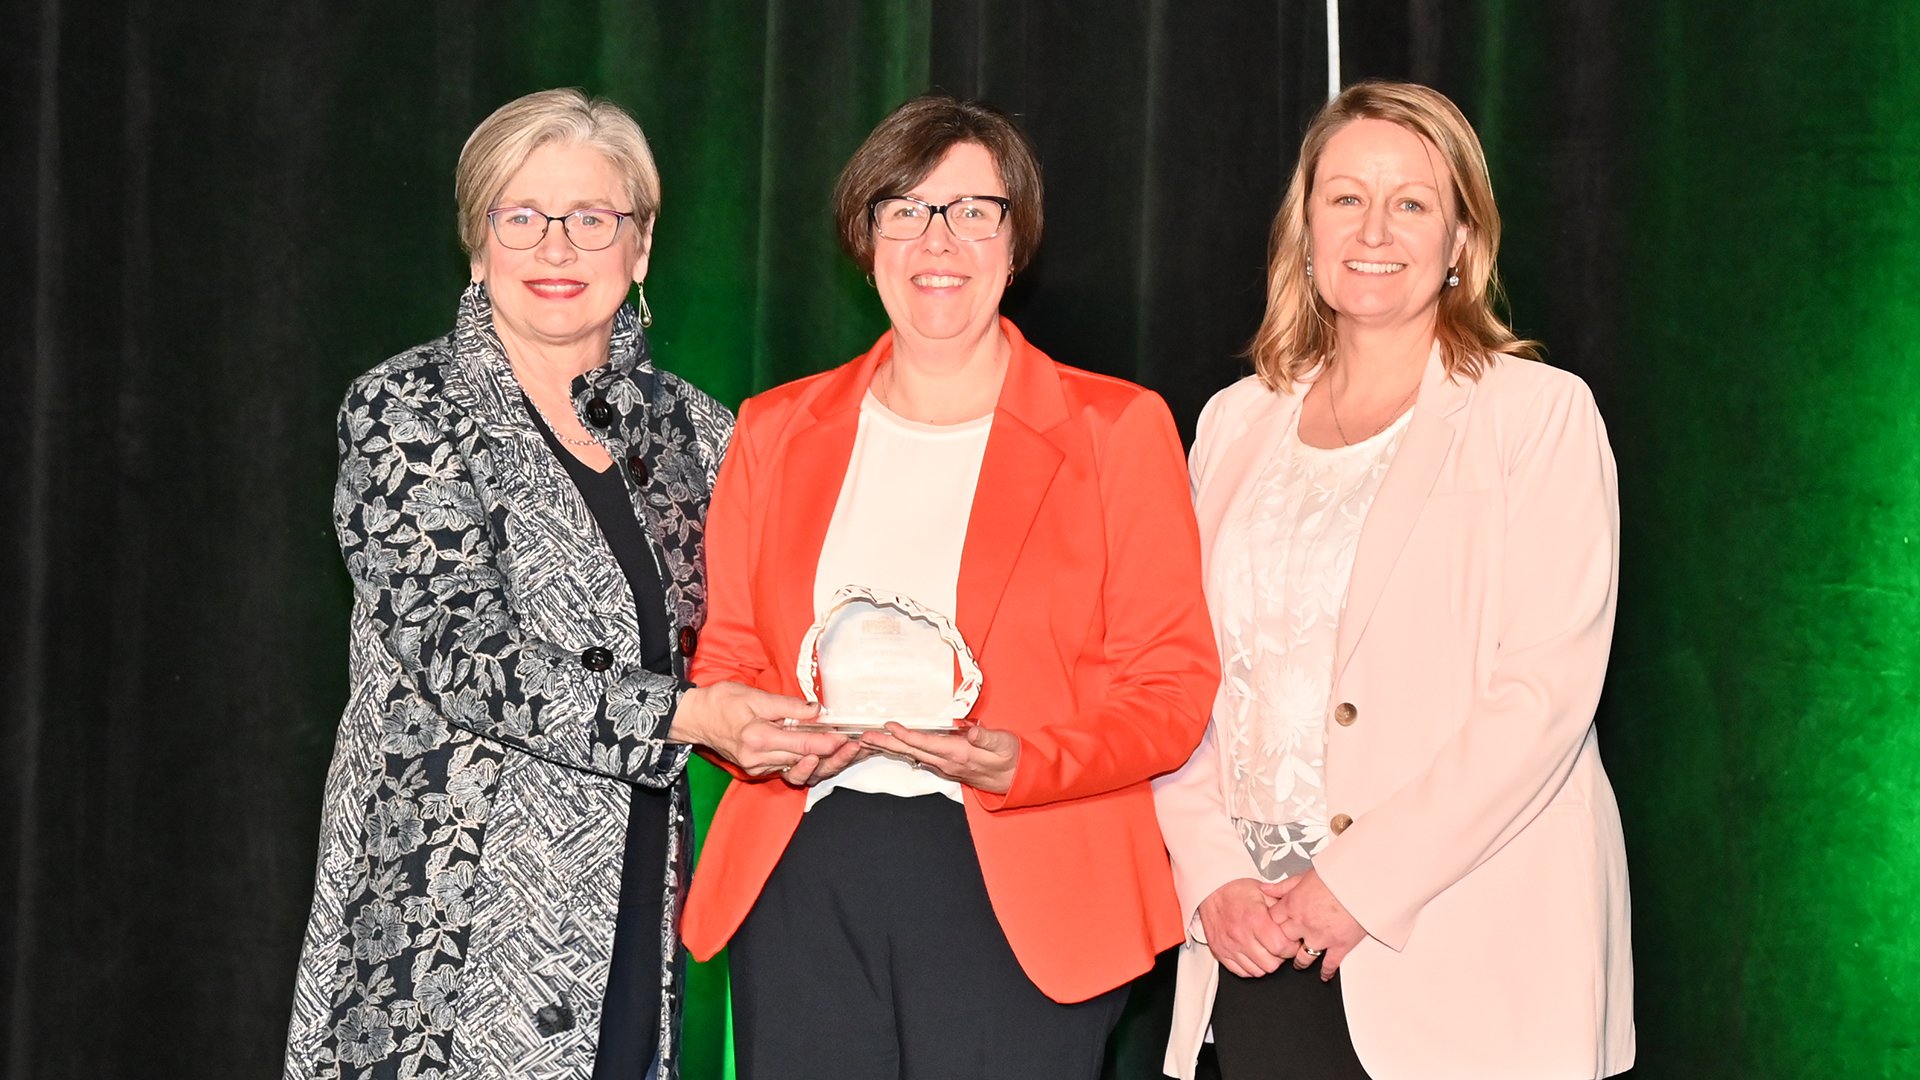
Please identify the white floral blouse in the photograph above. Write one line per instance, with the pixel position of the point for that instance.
(1279, 581)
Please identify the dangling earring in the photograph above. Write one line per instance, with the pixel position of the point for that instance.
(646, 313)
(1453, 277)
(1309, 266)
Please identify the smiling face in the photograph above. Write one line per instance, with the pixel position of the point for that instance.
(553, 295)
(1382, 224)
(938, 288)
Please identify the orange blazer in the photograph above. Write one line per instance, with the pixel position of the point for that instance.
(1079, 592)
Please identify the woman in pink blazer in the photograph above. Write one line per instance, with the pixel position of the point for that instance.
(1409, 529)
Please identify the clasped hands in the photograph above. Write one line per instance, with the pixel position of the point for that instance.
(747, 727)
(1254, 926)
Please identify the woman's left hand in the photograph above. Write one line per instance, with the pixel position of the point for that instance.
(1308, 911)
(977, 757)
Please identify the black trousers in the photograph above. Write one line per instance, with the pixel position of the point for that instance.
(1285, 1026)
(873, 954)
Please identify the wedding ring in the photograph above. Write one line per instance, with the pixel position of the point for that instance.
(1308, 950)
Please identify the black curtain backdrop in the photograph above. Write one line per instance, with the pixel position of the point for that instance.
(220, 212)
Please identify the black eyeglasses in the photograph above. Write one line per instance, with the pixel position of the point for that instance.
(970, 217)
(523, 227)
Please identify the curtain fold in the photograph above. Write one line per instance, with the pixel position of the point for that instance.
(1153, 264)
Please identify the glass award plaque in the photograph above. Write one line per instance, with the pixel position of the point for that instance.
(875, 657)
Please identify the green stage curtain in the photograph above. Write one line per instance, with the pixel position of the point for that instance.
(223, 211)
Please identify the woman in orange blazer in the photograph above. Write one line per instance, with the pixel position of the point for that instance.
(953, 905)
(1410, 530)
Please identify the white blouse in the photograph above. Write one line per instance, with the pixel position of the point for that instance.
(1279, 582)
(899, 525)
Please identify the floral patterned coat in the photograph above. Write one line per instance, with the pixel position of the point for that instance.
(475, 812)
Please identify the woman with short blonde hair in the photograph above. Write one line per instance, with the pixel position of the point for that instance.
(522, 508)
(503, 141)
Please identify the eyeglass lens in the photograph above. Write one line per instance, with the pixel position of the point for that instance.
(520, 228)
(970, 218)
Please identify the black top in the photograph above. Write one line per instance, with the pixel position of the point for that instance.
(630, 1016)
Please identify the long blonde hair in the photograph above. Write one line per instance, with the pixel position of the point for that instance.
(1297, 334)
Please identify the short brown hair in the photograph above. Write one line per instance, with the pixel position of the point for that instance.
(1297, 334)
(910, 143)
(503, 142)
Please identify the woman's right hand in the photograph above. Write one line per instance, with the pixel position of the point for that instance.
(746, 726)
(1243, 937)
(813, 768)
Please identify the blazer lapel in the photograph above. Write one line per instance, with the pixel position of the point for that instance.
(1017, 470)
(1403, 493)
(811, 471)
(564, 575)
(1244, 452)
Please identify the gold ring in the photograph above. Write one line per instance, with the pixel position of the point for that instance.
(1311, 951)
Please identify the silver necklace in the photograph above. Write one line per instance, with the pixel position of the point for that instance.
(1391, 417)
(552, 427)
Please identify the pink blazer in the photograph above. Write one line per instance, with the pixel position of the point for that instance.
(1484, 856)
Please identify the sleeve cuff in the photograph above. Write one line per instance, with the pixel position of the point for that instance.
(1381, 926)
(1196, 932)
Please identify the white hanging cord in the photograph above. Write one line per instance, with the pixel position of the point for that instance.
(1333, 49)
